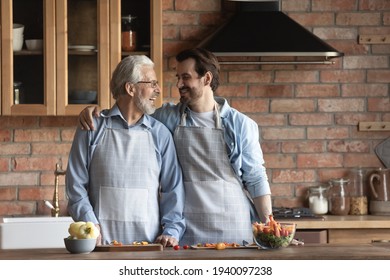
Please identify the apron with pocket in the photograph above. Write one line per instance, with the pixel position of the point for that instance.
(124, 185)
(216, 207)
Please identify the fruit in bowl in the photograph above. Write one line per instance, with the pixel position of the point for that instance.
(273, 234)
(82, 238)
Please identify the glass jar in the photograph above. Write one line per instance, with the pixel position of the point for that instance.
(338, 197)
(318, 201)
(129, 33)
(359, 199)
(19, 97)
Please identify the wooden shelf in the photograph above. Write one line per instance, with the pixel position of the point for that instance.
(374, 126)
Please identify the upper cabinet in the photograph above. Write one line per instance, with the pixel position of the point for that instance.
(81, 44)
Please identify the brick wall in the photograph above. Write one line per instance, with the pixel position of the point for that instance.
(308, 114)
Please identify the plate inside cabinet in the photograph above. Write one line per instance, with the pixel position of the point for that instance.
(87, 48)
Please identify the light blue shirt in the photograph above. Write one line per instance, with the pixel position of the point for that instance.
(171, 181)
(242, 142)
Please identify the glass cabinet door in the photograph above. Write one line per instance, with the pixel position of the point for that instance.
(28, 57)
(136, 28)
(82, 55)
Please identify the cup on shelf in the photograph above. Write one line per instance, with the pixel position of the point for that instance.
(18, 38)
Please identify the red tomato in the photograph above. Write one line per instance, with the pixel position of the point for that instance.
(185, 247)
(176, 247)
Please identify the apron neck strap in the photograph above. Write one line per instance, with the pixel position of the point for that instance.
(183, 116)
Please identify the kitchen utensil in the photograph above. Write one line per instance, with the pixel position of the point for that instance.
(380, 184)
(339, 200)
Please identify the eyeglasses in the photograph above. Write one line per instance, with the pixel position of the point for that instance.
(152, 83)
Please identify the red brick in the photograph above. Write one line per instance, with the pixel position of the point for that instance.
(341, 105)
(270, 147)
(303, 147)
(319, 160)
(325, 175)
(197, 5)
(381, 49)
(15, 149)
(279, 161)
(296, 77)
(369, 90)
(19, 178)
(271, 133)
(293, 176)
(333, 5)
(231, 90)
(269, 119)
(37, 135)
(273, 91)
(18, 122)
(282, 190)
(51, 149)
(327, 133)
(378, 76)
(250, 106)
(379, 104)
(366, 62)
(34, 163)
(344, 146)
(167, 5)
(317, 90)
(288, 202)
(58, 121)
(4, 164)
(171, 32)
(39, 193)
(310, 119)
(179, 19)
(362, 160)
(213, 19)
(5, 135)
(7, 194)
(354, 118)
(295, 5)
(17, 208)
(374, 5)
(67, 135)
(292, 105)
(48, 178)
(250, 77)
(356, 19)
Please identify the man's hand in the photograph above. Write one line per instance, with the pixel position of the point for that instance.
(85, 120)
(167, 240)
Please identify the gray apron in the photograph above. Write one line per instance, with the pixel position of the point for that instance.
(124, 185)
(216, 207)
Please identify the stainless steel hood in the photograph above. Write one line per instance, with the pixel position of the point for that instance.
(260, 29)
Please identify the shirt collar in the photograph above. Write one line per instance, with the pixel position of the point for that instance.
(115, 112)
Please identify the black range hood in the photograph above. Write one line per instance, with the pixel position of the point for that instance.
(259, 29)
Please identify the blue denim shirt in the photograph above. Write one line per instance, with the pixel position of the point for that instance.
(242, 142)
(171, 180)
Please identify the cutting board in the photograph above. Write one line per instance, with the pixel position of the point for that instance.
(128, 248)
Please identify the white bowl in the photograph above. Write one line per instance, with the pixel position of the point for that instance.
(34, 44)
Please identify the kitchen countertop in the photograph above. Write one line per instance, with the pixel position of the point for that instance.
(374, 251)
(342, 222)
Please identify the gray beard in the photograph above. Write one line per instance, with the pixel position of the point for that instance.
(144, 106)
